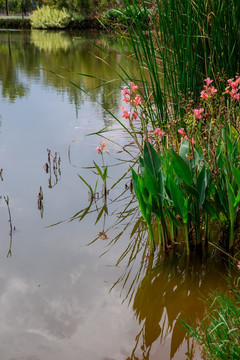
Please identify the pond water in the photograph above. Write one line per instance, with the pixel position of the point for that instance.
(84, 288)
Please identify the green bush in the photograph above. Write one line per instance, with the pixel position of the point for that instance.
(50, 18)
(123, 16)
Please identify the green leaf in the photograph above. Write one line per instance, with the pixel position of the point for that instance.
(181, 169)
(237, 200)
(185, 211)
(231, 201)
(85, 182)
(184, 150)
(99, 170)
(151, 159)
(202, 185)
(177, 197)
(236, 175)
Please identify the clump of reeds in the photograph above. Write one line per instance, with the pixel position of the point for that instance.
(186, 42)
(219, 332)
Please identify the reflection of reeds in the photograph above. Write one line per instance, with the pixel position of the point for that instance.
(6, 198)
(52, 166)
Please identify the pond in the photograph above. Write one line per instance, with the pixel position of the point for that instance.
(84, 287)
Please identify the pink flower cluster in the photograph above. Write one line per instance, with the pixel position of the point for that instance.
(208, 90)
(233, 88)
(130, 97)
(101, 147)
(184, 136)
(159, 132)
(198, 112)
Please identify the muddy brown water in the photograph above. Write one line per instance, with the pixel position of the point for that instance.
(80, 289)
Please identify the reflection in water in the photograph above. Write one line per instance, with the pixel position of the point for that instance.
(11, 227)
(64, 54)
(172, 289)
(164, 290)
(40, 201)
(52, 167)
(12, 86)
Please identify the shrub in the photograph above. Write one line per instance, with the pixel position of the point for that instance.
(50, 18)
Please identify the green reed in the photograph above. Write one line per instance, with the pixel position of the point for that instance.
(185, 41)
(219, 333)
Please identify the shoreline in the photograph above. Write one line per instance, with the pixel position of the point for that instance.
(8, 23)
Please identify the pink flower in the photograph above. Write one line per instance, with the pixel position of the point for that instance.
(227, 90)
(234, 84)
(185, 137)
(133, 86)
(204, 95)
(208, 81)
(126, 100)
(125, 91)
(125, 113)
(103, 144)
(99, 150)
(182, 132)
(235, 96)
(178, 217)
(198, 112)
(159, 132)
(212, 90)
(193, 141)
(238, 265)
(137, 101)
(134, 115)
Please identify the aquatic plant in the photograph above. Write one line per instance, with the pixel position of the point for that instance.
(194, 182)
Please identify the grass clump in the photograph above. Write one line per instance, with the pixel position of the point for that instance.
(219, 332)
(48, 17)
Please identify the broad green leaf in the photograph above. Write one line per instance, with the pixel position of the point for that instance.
(237, 200)
(177, 197)
(202, 185)
(151, 159)
(142, 205)
(181, 169)
(211, 211)
(191, 190)
(236, 175)
(185, 211)
(141, 166)
(231, 201)
(184, 150)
